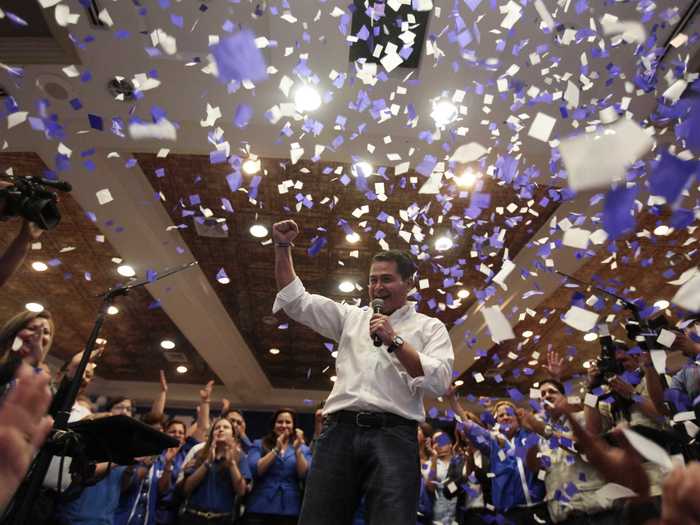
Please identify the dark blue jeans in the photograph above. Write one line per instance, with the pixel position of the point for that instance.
(349, 461)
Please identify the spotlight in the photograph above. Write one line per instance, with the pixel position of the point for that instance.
(444, 112)
(527, 333)
(362, 169)
(224, 279)
(251, 166)
(352, 238)
(443, 243)
(334, 379)
(167, 344)
(307, 98)
(39, 266)
(274, 351)
(258, 230)
(459, 382)
(334, 354)
(112, 310)
(126, 270)
(463, 294)
(34, 307)
(466, 179)
(662, 304)
(346, 287)
(590, 336)
(182, 369)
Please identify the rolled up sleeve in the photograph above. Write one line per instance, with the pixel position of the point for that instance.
(319, 313)
(437, 361)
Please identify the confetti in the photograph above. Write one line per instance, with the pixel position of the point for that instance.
(162, 130)
(497, 324)
(239, 58)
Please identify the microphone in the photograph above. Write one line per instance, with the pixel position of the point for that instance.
(377, 307)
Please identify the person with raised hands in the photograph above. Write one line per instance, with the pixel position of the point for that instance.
(24, 426)
(389, 356)
(278, 462)
(215, 478)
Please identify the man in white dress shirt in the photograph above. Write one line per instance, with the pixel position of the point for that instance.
(368, 445)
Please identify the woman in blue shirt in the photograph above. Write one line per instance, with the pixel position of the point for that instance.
(279, 462)
(214, 478)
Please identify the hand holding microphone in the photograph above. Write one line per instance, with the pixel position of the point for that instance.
(377, 307)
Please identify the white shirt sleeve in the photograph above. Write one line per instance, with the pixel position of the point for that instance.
(319, 313)
(437, 359)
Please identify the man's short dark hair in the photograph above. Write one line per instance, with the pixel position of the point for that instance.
(556, 384)
(403, 259)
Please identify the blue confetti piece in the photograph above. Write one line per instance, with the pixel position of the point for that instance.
(617, 211)
(75, 103)
(316, 246)
(238, 58)
(95, 122)
(151, 275)
(243, 115)
(670, 176)
(234, 180)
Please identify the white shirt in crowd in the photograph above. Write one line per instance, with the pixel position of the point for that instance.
(370, 378)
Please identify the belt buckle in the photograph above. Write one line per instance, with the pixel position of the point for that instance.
(357, 419)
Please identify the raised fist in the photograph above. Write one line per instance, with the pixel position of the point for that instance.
(285, 231)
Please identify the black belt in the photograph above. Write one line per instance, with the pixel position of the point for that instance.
(370, 419)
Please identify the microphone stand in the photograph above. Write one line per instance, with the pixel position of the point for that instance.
(19, 509)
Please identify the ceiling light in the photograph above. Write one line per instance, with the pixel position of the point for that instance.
(167, 344)
(466, 179)
(463, 294)
(251, 166)
(112, 310)
(443, 243)
(334, 379)
(346, 286)
(663, 230)
(590, 336)
(459, 382)
(181, 369)
(274, 351)
(362, 169)
(307, 98)
(258, 230)
(444, 112)
(662, 304)
(39, 266)
(101, 341)
(34, 307)
(586, 364)
(527, 333)
(126, 270)
(334, 354)
(352, 238)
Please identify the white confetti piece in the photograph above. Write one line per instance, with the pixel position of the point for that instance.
(580, 319)
(432, 185)
(572, 94)
(391, 62)
(545, 16)
(105, 18)
(64, 17)
(16, 118)
(688, 295)
(213, 114)
(498, 324)
(469, 153)
(675, 90)
(506, 269)
(658, 359)
(631, 32)
(71, 71)
(596, 160)
(666, 338)
(542, 127)
(17, 344)
(49, 3)
(576, 238)
(648, 449)
(104, 196)
(163, 130)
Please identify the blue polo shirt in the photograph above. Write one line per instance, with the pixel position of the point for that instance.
(507, 463)
(215, 493)
(276, 491)
(137, 505)
(96, 504)
(168, 503)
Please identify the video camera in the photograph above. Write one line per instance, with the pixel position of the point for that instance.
(608, 365)
(29, 197)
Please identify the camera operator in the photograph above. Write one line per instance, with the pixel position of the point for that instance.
(624, 395)
(13, 257)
